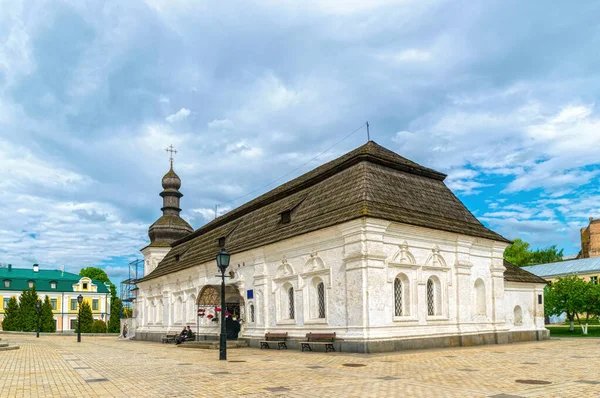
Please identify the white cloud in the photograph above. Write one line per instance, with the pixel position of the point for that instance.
(221, 124)
(180, 115)
(245, 150)
(405, 56)
(16, 59)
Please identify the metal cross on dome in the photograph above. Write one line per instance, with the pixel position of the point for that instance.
(172, 150)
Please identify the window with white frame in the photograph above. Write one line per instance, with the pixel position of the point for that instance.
(5, 302)
(434, 301)
(317, 300)
(518, 315)
(291, 309)
(287, 303)
(401, 297)
(321, 299)
(480, 307)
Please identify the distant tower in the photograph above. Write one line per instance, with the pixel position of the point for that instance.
(170, 226)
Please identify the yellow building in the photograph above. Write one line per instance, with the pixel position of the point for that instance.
(61, 287)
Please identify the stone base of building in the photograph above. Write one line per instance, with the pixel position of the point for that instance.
(157, 336)
(390, 345)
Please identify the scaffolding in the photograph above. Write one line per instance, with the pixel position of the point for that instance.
(129, 286)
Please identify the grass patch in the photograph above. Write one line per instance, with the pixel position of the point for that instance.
(563, 331)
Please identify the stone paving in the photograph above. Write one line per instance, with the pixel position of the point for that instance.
(57, 366)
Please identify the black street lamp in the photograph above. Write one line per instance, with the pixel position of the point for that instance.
(79, 301)
(38, 306)
(223, 262)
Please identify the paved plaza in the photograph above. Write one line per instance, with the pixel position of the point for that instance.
(57, 366)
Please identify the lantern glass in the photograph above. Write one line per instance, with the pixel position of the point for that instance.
(80, 299)
(223, 260)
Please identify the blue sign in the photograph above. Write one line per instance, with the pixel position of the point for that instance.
(250, 294)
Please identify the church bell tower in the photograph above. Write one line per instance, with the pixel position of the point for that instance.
(170, 226)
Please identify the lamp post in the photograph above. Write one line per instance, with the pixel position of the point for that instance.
(223, 262)
(38, 306)
(79, 301)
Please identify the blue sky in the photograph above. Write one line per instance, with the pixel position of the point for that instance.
(500, 95)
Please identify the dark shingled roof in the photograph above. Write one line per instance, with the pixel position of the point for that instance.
(518, 274)
(368, 181)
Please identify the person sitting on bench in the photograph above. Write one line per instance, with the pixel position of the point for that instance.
(182, 336)
(190, 334)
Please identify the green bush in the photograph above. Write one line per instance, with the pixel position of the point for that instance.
(99, 326)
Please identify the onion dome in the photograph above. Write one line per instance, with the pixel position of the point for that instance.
(170, 226)
(171, 180)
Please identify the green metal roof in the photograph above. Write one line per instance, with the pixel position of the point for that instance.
(64, 280)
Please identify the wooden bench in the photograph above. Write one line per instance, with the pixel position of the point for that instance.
(278, 338)
(169, 338)
(313, 339)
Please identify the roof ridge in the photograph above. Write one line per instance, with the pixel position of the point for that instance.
(371, 151)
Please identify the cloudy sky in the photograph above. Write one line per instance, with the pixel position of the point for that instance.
(500, 95)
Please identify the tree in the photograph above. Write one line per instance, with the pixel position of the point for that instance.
(100, 275)
(590, 304)
(95, 273)
(47, 322)
(11, 321)
(546, 255)
(27, 310)
(519, 254)
(567, 295)
(99, 326)
(85, 318)
(114, 323)
(127, 312)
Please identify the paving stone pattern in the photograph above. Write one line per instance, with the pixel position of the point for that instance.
(57, 366)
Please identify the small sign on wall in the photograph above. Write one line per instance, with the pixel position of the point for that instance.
(250, 294)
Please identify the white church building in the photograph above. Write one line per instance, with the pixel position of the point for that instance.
(371, 246)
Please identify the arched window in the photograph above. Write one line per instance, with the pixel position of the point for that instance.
(191, 316)
(152, 317)
(178, 312)
(251, 311)
(321, 299)
(434, 300)
(291, 310)
(316, 303)
(183, 311)
(480, 297)
(518, 316)
(401, 298)
(160, 312)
